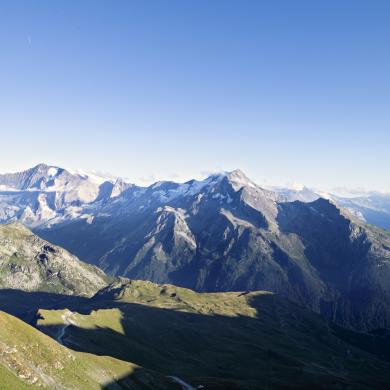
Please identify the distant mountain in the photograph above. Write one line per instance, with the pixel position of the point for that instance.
(241, 340)
(374, 208)
(370, 207)
(301, 193)
(45, 195)
(31, 264)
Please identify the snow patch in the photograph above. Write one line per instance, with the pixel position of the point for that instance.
(52, 171)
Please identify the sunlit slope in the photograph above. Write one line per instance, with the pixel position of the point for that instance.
(29, 359)
(31, 264)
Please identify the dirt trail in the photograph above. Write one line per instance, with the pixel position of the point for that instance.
(67, 318)
(184, 385)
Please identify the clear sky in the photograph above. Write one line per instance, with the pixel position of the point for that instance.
(288, 91)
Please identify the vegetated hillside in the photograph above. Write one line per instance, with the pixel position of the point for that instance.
(248, 340)
(31, 264)
(29, 359)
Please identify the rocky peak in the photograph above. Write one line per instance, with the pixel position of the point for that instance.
(119, 186)
(238, 180)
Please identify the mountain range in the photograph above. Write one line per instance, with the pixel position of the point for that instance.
(289, 293)
(46, 195)
(224, 233)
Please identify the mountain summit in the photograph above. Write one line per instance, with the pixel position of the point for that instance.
(45, 195)
(33, 178)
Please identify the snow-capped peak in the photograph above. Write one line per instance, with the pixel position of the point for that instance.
(52, 171)
(93, 176)
(238, 179)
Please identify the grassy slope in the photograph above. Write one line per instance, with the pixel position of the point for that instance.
(29, 358)
(221, 340)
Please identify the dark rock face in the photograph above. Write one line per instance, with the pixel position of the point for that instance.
(230, 235)
(351, 260)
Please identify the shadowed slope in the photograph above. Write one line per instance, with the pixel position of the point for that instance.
(220, 340)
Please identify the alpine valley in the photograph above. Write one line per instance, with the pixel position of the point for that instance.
(215, 284)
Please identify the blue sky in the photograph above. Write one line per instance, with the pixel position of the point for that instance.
(288, 91)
